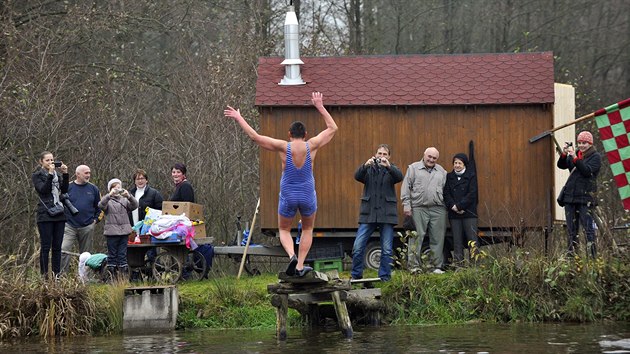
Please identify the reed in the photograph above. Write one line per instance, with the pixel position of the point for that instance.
(31, 305)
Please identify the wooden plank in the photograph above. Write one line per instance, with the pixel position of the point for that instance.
(366, 280)
(273, 251)
(314, 298)
(292, 288)
(312, 277)
(199, 241)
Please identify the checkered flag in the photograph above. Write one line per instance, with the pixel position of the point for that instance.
(613, 123)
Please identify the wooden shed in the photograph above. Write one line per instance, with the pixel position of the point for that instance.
(412, 102)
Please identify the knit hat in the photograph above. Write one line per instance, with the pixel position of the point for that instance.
(586, 137)
(111, 182)
(462, 157)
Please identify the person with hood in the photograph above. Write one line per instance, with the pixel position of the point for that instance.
(461, 199)
(116, 204)
(577, 195)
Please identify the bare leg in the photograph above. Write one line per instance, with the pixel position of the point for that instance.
(284, 227)
(306, 240)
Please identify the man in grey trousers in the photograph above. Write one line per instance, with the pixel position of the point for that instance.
(80, 227)
(422, 198)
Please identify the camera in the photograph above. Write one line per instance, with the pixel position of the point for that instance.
(65, 199)
(119, 191)
(58, 163)
(568, 144)
(376, 160)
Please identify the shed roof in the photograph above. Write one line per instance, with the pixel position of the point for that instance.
(459, 79)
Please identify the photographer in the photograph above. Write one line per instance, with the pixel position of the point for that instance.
(577, 195)
(116, 204)
(84, 197)
(378, 210)
(50, 185)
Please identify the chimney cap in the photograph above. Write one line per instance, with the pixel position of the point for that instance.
(292, 62)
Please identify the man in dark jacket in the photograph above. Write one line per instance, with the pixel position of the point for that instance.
(577, 195)
(378, 210)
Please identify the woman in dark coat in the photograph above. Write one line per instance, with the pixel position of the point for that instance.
(577, 195)
(184, 191)
(50, 186)
(461, 198)
(145, 195)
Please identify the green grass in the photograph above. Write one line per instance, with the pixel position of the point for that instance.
(519, 287)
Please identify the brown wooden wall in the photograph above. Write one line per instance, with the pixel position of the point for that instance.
(514, 178)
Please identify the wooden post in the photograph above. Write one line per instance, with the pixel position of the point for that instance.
(281, 302)
(343, 318)
(249, 238)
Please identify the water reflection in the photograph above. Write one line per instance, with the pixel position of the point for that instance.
(470, 338)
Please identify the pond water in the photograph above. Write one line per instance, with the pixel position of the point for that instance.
(469, 338)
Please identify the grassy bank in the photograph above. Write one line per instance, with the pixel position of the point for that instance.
(518, 287)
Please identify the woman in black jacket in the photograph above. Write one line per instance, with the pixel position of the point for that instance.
(184, 191)
(146, 196)
(50, 186)
(577, 195)
(460, 197)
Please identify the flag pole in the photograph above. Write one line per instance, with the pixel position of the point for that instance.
(549, 132)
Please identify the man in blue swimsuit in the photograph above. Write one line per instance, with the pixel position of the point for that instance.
(297, 185)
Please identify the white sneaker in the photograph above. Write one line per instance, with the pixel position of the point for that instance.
(438, 271)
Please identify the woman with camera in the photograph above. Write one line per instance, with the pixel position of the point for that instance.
(578, 194)
(51, 220)
(116, 204)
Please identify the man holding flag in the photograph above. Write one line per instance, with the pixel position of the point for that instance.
(577, 195)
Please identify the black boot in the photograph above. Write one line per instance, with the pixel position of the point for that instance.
(110, 273)
(123, 273)
(591, 249)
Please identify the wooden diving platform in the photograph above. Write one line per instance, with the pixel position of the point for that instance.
(304, 293)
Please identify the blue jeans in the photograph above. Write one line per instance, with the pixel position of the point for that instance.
(358, 250)
(577, 214)
(117, 250)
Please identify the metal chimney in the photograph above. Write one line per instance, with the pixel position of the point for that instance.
(292, 60)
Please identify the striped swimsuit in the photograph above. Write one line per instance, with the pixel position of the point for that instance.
(297, 187)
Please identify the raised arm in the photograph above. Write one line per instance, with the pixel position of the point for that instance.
(263, 141)
(325, 136)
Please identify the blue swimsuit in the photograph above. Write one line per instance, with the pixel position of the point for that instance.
(297, 187)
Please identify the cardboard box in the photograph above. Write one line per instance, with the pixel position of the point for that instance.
(200, 230)
(192, 210)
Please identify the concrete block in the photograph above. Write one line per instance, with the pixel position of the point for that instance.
(150, 308)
